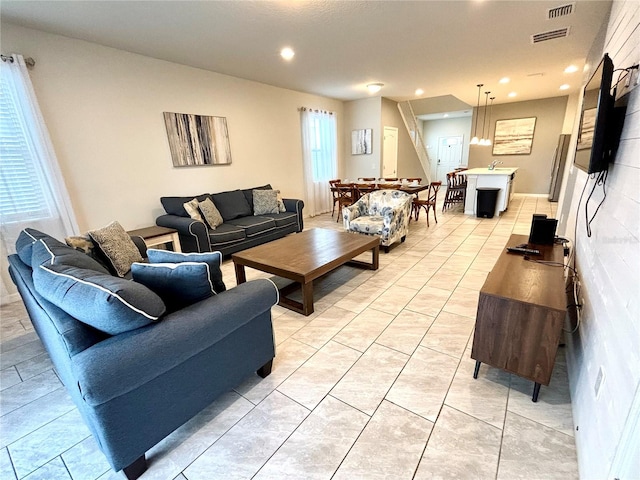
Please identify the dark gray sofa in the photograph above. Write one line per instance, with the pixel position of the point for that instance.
(241, 228)
(134, 388)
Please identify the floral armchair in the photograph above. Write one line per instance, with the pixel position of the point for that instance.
(385, 213)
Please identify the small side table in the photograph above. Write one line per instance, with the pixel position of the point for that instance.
(156, 235)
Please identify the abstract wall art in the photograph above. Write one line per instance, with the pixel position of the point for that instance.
(197, 140)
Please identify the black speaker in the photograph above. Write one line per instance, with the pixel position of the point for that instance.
(543, 230)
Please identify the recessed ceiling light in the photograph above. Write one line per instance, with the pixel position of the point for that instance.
(565, 86)
(287, 53)
(512, 94)
(571, 69)
(504, 80)
(419, 91)
(375, 87)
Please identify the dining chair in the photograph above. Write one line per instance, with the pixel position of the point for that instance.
(428, 203)
(367, 179)
(456, 189)
(413, 179)
(334, 194)
(391, 179)
(346, 196)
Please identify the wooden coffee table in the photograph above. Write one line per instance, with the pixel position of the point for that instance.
(304, 257)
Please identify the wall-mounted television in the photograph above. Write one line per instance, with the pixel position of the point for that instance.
(593, 150)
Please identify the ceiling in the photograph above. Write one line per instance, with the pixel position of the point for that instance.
(442, 47)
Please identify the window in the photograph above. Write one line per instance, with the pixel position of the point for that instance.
(320, 158)
(21, 183)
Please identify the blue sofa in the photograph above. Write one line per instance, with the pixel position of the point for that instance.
(135, 387)
(241, 229)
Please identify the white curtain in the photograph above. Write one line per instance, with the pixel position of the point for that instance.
(320, 158)
(33, 190)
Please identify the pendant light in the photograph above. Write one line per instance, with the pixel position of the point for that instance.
(474, 140)
(488, 140)
(486, 100)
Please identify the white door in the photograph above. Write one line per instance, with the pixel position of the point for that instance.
(390, 152)
(449, 156)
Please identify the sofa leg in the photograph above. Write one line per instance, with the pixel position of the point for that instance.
(265, 370)
(386, 249)
(137, 468)
(403, 239)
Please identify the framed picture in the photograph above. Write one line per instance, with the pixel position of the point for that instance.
(587, 127)
(361, 141)
(514, 137)
(196, 140)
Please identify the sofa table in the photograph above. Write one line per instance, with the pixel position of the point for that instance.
(156, 235)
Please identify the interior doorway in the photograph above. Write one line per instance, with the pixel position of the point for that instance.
(390, 152)
(449, 155)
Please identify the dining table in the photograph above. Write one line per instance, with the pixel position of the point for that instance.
(360, 188)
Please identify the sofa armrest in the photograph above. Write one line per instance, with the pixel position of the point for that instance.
(194, 235)
(295, 205)
(139, 242)
(349, 213)
(124, 362)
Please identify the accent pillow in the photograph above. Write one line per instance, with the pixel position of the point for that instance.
(49, 251)
(281, 206)
(110, 304)
(231, 204)
(117, 246)
(213, 259)
(178, 284)
(84, 244)
(211, 213)
(265, 202)
(191, 207)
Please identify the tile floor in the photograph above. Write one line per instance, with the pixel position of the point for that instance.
(377, 383)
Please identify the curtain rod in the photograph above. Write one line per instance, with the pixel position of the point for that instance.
(30, 62)
(304, 109)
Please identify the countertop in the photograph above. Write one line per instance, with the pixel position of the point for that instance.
(486, 171)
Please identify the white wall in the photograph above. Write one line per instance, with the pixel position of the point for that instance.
(104, 110)
(608, 261)
(434, 129)
(359, 114)
(534, 170)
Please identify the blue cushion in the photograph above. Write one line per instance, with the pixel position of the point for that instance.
(49, 251)
(25, 241)
(213, 259)
(178, 284)
(110, 304)
(232, 204)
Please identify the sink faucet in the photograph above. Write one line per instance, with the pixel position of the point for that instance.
(493, 164)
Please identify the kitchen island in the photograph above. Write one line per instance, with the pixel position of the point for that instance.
(501, 178)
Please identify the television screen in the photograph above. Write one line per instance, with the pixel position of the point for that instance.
(597, 105)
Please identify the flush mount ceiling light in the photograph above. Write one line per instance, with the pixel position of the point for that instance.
(504, 80)
(287, 53)
(375, 87)
(512, 94)
(571, 69)
(419, 92)
(474, 140)
(565, 86)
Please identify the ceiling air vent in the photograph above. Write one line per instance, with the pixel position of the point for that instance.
(550, 35)
(560, 11)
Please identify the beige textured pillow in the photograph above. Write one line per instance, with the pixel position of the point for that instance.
(265, 202)
(117, 246)
(192, 209)
(281, 206)
(211, 213)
